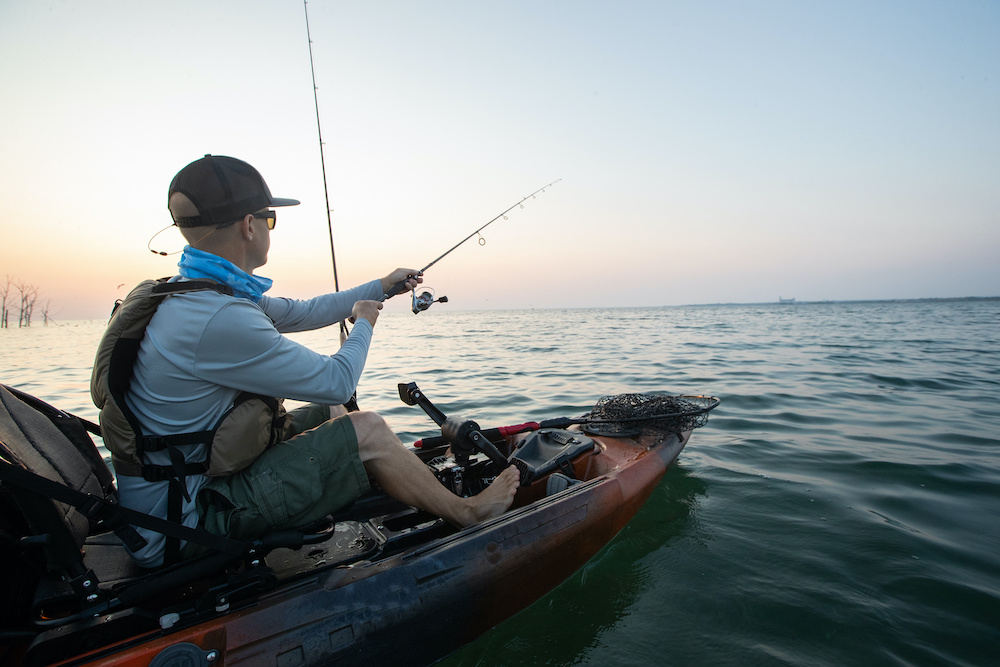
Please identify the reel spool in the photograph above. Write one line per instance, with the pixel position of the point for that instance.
(424, 300)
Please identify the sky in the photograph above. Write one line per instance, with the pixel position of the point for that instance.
(709, 152)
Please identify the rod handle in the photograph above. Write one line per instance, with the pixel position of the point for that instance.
(400, 287)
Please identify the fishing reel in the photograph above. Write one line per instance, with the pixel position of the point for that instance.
(424, 300)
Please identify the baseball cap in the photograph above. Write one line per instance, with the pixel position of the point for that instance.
(223, 189)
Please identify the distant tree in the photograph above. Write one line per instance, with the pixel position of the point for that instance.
(29, 295)
(5, 286)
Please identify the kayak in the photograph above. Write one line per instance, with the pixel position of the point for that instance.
(378, 583)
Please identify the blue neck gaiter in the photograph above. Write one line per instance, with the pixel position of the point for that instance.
(196, 264)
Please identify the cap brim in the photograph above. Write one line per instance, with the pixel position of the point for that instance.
(280, 201)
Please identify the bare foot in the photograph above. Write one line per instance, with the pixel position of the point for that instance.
(495, 498)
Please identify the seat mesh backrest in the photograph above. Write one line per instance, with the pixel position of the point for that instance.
(32, 441)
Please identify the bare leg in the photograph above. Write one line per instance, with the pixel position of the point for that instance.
(405, 477)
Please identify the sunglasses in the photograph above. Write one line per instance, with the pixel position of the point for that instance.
(270, 216)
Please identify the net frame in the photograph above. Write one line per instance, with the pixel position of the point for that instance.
(628, 414)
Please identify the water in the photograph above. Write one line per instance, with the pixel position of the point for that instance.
(842, 506)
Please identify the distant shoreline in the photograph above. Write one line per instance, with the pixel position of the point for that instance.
(790, 304)
(799, 302)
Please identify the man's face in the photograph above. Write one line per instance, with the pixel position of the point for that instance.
(263, 222)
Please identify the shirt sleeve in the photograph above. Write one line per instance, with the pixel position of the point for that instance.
(262, 361)
(290, 315)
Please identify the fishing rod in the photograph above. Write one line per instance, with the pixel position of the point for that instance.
(424, 301)
(352, 403)
(322, 162)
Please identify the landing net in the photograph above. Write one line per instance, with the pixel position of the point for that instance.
(643, 413)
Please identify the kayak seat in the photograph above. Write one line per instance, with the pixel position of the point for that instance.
(47, 535)
(61, 542)
(549, 450)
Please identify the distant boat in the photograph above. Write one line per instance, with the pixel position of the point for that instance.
(782, 299)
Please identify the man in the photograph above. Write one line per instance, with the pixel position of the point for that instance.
(204, 351)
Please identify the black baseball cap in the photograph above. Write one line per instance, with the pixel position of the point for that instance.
(223, 189)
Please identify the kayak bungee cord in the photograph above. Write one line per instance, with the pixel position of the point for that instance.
(424, 301)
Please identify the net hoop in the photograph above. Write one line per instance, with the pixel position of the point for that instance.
(628, 414)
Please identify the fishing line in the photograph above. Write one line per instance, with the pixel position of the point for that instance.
(401, 285)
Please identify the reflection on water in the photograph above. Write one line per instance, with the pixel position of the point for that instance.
(579, 619)
(839, 508)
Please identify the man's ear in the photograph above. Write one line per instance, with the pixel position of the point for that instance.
(246, 227)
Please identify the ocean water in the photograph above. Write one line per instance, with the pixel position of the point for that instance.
(841, 507)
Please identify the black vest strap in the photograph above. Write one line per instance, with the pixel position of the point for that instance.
(156, 443)
(113, 515)
(182, 286)
(172, 546)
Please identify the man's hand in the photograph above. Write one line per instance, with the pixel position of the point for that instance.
(367, 310)
(409, 278)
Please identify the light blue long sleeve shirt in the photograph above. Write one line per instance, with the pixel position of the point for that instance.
(203, 348)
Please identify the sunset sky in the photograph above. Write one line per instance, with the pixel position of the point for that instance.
(709, 151)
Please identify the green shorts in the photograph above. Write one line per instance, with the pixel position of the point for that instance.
(297, 482)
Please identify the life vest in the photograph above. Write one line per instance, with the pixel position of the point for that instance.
(250, 426)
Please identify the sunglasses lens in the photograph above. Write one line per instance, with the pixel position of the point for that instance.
(271, 217)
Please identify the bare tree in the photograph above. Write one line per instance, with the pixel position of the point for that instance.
(22, 290)
(5, 286)
(29, 294)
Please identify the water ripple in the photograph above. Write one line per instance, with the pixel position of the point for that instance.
(839, 508)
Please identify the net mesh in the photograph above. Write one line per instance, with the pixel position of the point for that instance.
(630, 413)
